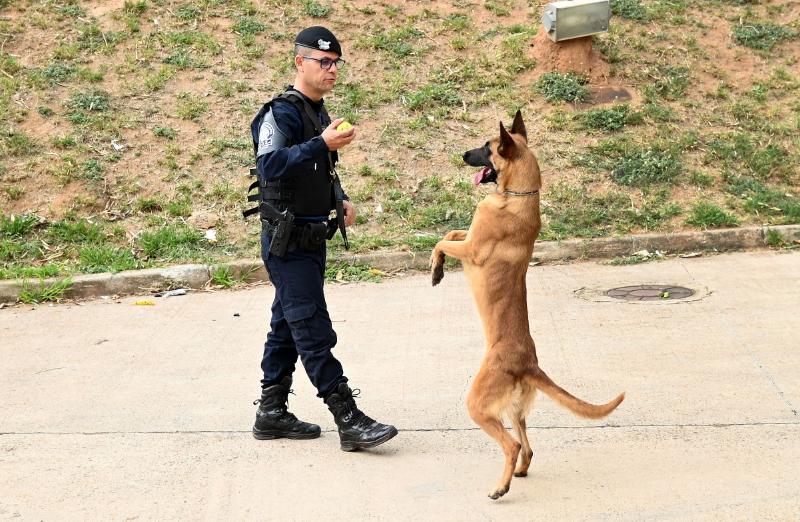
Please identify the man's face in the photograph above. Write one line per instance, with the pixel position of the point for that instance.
(312, 72)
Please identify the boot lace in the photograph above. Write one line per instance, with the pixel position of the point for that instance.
(359, 417)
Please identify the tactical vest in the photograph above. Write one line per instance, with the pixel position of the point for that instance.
(307, 189)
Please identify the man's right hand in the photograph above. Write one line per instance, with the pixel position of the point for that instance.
(335, 139)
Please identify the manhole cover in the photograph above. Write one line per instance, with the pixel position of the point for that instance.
(650, 292)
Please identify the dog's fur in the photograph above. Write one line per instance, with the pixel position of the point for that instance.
(495, 253)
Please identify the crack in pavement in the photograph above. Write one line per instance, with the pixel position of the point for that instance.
(425, 430)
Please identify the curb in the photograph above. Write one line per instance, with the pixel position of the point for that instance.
(250, 271)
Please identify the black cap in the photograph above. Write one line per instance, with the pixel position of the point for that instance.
(318, 37)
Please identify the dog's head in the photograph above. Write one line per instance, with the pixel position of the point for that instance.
(499, 156)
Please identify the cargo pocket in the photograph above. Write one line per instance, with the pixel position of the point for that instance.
(300, 319)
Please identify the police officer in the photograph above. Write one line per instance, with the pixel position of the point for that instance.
(296, 148)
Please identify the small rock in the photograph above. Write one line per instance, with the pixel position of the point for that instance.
(203, 219)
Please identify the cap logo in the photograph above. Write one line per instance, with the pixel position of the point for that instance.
(323, 45)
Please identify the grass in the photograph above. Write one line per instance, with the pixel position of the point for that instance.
(43, 292)
(610, 119)
(761, 36)
(343, 272)
(568, 87)
(171, 243)
(708, 215)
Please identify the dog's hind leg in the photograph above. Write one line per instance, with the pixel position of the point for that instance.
(526, 453)
(484, 409)
(517, 416)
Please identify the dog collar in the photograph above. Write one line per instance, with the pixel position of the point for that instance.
(512, 193)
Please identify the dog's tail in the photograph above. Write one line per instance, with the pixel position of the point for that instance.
(582, 408)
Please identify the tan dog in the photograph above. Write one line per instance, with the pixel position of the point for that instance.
(495, 253)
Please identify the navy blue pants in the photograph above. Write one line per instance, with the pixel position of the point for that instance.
(300, 324)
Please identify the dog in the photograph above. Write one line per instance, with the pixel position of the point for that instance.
(495, 253)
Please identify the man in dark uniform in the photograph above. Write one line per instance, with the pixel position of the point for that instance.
(296, 148)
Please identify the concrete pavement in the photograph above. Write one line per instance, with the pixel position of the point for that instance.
(116, 411)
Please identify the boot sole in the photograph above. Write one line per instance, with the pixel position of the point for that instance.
(270, 435)
(353, 446)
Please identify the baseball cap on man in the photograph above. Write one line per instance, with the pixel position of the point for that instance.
(318, 37)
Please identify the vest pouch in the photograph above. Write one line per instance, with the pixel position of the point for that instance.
(311, 236)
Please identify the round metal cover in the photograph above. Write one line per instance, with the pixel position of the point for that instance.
(650, 292)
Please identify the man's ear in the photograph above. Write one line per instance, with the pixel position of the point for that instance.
(298, 61)
(506, 148)
(518, 127)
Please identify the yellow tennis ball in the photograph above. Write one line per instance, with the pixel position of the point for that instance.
(345, 125)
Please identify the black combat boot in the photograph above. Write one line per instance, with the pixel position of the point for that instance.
(274, 421)
(356, 430)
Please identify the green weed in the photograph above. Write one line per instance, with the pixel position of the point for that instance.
(762, 36)
(610, 119)
(17, 226)
(708, 215)
(316, 9)
(630, 9)
(171, 242)
(190, 107)
(568, 87)
(95, 259)
(346, 272)
(44, 292)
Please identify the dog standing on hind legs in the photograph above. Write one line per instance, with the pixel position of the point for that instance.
(495, 253)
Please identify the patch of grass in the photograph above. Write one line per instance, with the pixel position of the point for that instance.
(774, 239)
(346, 272)
(630, 9)
(91, 170)
(632, 165)
(671, 82)
(707, 215)
(14, 192)
(95, 100)
(701, 179)
(762, 36)
(17, 226)
(222, 275)
(188, 12)
(190, 107)
(75, 231)
(611, 119)
(316, 9)
(44, 292)
(641, 167)
(397, 42)
(568, 87)
(165, 132)
(149, 205)
(432, 95)
(457, 22)
(28, 272)
(778, 206)
(248, 25)
(92, 38)
(157, 81)
(17, 144)
(95, 259)
(739, 152)
(171, 242)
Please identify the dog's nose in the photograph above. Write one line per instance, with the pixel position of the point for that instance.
(464, 156)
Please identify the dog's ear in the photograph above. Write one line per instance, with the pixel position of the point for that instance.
(518, 127)
(506, 148)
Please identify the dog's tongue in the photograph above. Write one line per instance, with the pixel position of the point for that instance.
(480, 175)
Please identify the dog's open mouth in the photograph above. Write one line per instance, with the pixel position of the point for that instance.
(485, 175)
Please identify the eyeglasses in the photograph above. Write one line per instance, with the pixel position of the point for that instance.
(326, 63)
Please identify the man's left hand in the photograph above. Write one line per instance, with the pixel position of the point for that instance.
(349, 213)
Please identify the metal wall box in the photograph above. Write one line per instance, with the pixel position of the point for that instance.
(575, 18)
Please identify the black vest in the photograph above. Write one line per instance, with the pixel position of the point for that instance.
(307, 189)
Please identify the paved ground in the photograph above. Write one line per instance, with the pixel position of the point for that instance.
(115, 411)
